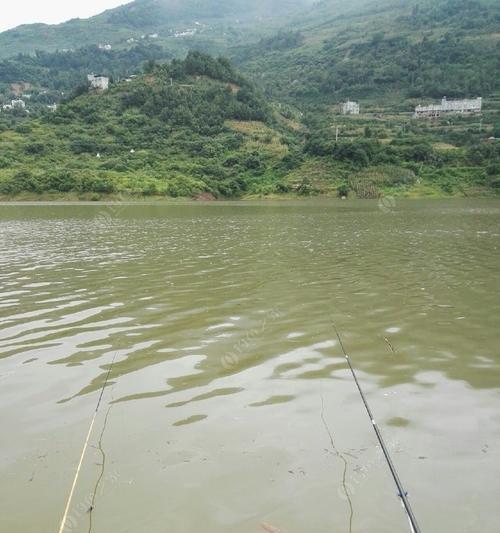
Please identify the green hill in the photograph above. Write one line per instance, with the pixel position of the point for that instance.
(384, 51)
(196, 127)
(191, 127)
(213, 131)
(389, 55)
(179, 25)
(59, 72)
(387, 51)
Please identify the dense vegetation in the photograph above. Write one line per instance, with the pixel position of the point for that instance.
(377, 155)
(195, 126)
(149, 13)
(179, 130)
(217, 23)
(62, 71)
(413, 50)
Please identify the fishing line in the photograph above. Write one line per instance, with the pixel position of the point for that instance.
(343, 459)
(401, 491)
(85, 446)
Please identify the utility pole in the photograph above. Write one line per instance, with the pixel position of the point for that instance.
(337, 131)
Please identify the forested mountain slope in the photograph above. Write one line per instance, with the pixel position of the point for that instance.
(177, 24)
(190, 127)
(278, 129)
(385, 49)
(367, 49)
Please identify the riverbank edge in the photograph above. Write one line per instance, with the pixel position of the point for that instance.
(138, 198)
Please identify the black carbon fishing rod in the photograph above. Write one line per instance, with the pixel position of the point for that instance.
(401, 491)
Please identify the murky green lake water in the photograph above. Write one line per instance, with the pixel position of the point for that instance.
(227, 373)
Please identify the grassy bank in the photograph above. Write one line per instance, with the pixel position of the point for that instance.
(415, 192)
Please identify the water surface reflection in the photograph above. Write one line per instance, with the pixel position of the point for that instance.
(219, 319)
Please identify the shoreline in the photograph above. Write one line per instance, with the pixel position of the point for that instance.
(123, 198)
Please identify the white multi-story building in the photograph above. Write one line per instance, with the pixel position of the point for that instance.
(463, 107)
(185, 33)
(100, 83)
(18, 104)
(349, 108)
(14, 104)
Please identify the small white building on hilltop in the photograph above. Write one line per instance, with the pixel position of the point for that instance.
(185, 33)
(463, 107)
(18, 104)
(99, 83)
(349, 108)
(14, 104)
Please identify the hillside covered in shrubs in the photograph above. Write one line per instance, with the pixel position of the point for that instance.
(197, 128)
(178, 130)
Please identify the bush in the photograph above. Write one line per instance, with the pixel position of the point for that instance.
(420, 153)
(182, 187)
(343, 190)
(115, 164)
(232, 187)
(150, 189)
(232, 141)
(353, 152)
(292, 160)
(306, 188)
(84, 144)
(254, 163)
(282, 187)
(22, 181)
(23, 129)
(9, 186)
(493, 169)
(34, 148)
(319, 146)
(495, 183)
(98, 184)
(231, 161)
(61, 180)
(483, 153)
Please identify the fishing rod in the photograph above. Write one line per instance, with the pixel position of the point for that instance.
(85, 446)
(401, 491)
